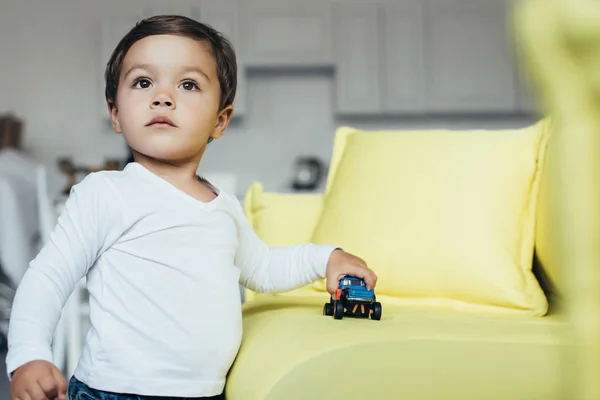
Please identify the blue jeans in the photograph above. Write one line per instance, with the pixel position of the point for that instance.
(80, 391)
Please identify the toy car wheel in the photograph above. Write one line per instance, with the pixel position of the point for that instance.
(328, 309)
(338, 310)
(376, 315)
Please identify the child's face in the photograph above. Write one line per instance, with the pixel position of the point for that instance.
(173, 77)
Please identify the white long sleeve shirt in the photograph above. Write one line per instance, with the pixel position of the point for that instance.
(163, 272)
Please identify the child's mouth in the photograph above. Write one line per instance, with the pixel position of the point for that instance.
(161, 121)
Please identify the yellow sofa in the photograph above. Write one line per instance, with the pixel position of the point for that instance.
(424, 350)
(417, 351)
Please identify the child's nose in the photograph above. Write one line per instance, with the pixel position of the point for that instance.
(163, 101)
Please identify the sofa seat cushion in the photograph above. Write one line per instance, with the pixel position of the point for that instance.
(291, 351)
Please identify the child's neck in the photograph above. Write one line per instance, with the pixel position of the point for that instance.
(178, 172)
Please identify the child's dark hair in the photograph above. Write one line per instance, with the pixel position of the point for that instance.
(176, 25)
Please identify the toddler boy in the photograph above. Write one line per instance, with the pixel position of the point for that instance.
(162, 249)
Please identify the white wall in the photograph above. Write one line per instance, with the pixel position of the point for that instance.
(48, 76)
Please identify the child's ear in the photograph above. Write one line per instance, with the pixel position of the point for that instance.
(114, 117)
(222, 122)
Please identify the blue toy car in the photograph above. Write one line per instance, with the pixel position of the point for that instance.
(352, 298)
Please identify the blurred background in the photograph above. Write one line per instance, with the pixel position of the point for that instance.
(305, 68)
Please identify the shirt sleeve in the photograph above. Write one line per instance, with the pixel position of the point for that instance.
(82, 233)
(276, 269)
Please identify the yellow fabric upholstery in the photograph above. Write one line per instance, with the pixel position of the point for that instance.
(282, 219)
(417, 351)
(446, 215)
(559, 45)
(291, 351)
(546, 224)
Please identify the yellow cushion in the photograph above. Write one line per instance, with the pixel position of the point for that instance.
(445, 215)
(281, 220)
(548, 230)
(291, 351)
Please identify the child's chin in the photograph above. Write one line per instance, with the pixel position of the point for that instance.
(170, 155)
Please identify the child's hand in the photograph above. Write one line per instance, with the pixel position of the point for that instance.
(38, 380)
(341, 264)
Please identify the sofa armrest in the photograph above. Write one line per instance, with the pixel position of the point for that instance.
(559, 41)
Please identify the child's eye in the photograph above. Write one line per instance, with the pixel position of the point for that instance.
(142, 83)
(190, 85)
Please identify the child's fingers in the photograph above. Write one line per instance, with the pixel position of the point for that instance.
(367, 275)
(61, 384)
(363, 271)
(348, 264)
(35, 392)
(48, 385)
(332, 286)
(23, 396)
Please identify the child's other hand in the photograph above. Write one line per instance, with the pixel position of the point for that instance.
(341, 264)
(38, 380)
